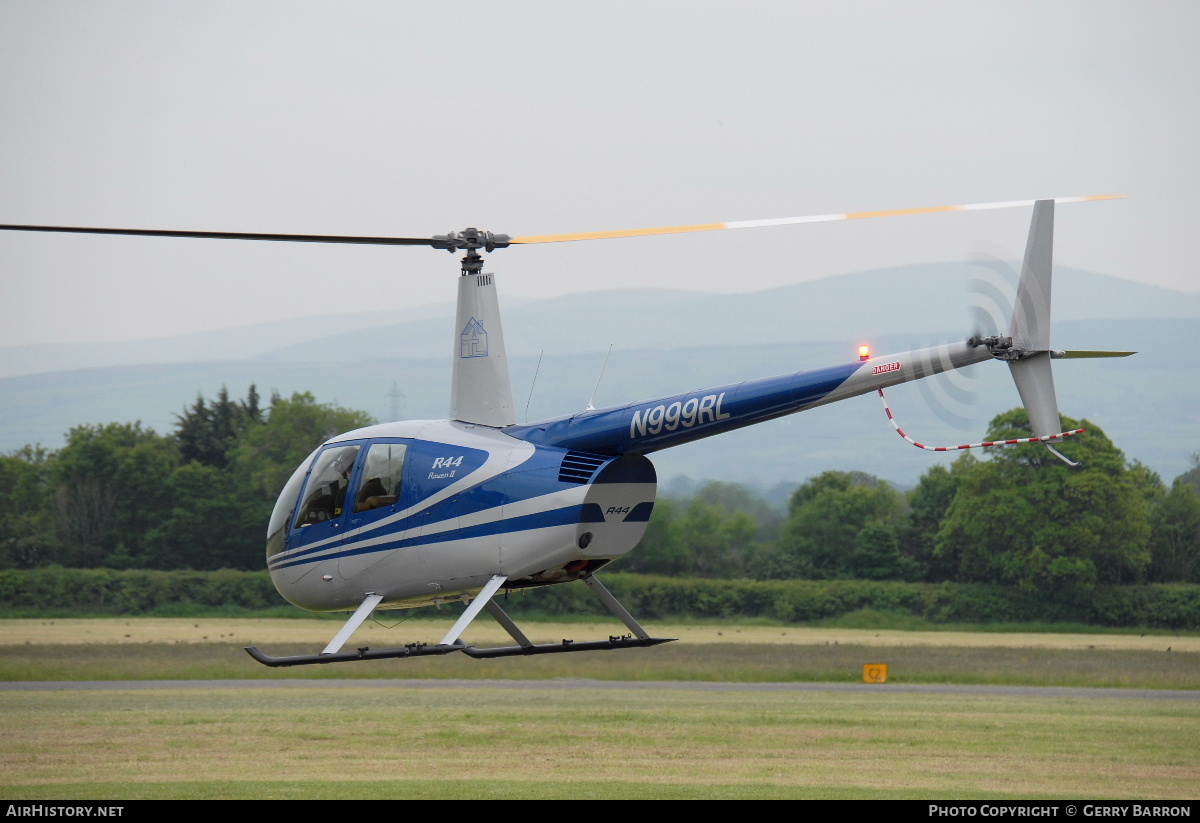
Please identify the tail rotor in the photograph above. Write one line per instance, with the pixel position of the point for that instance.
(1023, 340)
(993, 290)
(952, 395)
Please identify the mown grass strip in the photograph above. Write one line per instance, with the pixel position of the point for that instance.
(337, 743)
(746, 663)
(573, 789)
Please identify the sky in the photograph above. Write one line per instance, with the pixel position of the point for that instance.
(413, 119)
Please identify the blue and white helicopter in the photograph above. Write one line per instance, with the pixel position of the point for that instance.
(429, 512)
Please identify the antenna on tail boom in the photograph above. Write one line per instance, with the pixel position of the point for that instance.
(592, 399)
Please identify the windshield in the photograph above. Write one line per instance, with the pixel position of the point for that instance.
(277, 530)
(325, 493)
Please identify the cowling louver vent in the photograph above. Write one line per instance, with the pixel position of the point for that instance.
(578, 467)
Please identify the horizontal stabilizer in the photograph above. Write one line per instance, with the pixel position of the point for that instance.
(1080, 354)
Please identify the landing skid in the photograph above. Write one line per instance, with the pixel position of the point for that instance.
(414, 650)
(451, 642)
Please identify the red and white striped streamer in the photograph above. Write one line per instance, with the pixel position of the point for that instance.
(1044, 438)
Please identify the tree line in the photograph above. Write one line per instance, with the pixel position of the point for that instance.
(1017, 516)
(122, 496)
(54, 592)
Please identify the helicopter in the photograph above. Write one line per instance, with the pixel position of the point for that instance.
(419, 513)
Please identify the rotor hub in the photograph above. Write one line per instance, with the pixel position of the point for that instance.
(1002, 347)
(470, 240)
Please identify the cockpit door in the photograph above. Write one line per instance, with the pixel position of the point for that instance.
(376, 496)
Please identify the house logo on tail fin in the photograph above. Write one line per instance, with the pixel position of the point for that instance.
(473, 340)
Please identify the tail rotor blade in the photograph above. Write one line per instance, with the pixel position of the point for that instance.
(991, 294)
(951, 396)
(1072, 355)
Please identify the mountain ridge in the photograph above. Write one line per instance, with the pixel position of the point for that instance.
(1144, 403)
(923, 300)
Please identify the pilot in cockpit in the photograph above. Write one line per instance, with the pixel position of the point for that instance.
(342, 466)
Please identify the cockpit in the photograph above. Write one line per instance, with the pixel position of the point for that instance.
(371, 475)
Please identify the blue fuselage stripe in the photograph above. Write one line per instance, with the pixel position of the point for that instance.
(566, 516)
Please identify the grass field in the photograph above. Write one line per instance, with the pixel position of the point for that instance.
(556, 733)
(170, 649)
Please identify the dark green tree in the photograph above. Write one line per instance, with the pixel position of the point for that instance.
(111, 489)
(1024, 517)
(710, 532)
(120, 495)
(715, 539)
(928, 502)
(692, 538)
(266, 455)
(210, 429)
(28, 534)
(841, 525)
(660, 551)
(208, 524)
(735, 497)
(1175, 535)
(1192, 475)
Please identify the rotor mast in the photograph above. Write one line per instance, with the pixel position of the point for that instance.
(481, 390)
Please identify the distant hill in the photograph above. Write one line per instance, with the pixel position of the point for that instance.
(918, 300)
(664, 341)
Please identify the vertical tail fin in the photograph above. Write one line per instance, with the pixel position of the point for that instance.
(1030, 325)
(1030, 329)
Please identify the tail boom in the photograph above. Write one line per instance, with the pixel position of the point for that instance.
(653, 425)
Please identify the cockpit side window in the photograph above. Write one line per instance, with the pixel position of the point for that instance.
(381, 476)
(325, 494)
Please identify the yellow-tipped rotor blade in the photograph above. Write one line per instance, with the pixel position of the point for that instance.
(785, 221)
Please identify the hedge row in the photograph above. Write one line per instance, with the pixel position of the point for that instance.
(1174, 606)
(56, 591)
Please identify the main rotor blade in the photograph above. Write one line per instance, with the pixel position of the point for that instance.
(785, 221)
(475, 239)
(234, 235)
